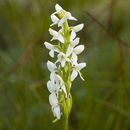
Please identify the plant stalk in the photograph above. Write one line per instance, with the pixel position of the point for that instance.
(66, 124)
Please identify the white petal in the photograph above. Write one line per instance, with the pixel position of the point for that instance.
(80, 66)
(67, 15)
(64, 89)
(69, 50)
(61, 58)
(78, 27)
(61, 39)
(62, 61)
(51, 66)
(54, 38)
(51, 53)
(72, 18)
(74, 59)
(75, 42)
(81, 76)
(53, 100)
(56, 112)
(62, 21)
(53, 76)
(50, 86)
(58, 60)
(79, 49)
(58, 7)
(54, 18)
(60, 55)
(72, 35)
(53, 24)
(56, 49)
(48, 45)
(59, 78)
(53, 32)
(74, 75)
(67, 59)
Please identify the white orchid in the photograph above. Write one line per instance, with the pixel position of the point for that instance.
(62, 84)
(74, 51)
(71, 46)
(62, 58)
(56, 35)
(66, 67)
(65, 16)
(54, 103)
(52, 48)
(53, 87)
(76, 70)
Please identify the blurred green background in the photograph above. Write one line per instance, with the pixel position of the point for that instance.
(101, 102)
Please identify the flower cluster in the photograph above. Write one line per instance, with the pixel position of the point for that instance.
(66, 68)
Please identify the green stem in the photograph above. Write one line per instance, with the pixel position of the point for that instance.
(66, 124)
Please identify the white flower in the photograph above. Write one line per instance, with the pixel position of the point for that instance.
(53, 87)
(56, 112)
(72, 41)
(51, 66)
(75, 51)
(65, 18)
(56, 35)
(77, 28)
(76, 70)
(71, 46)
(56, 84)
(52, 48)
(62, 84)
(62, 58)
(54, 103)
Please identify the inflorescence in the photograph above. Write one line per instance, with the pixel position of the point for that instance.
(66, 68)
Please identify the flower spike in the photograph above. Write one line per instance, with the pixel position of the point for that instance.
(66, 68)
